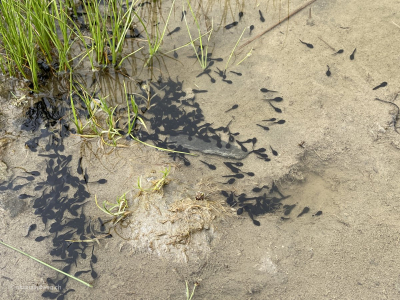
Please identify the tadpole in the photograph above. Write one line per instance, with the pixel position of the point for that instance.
(383, 84)
(275, 153)
(177, 29)
(328, 73)
(79, 170)
(307, 44)
(93, 273)
(40, 238)
(257, 189)
(264, 90)
(231, 167)
(229, 26)
(232, 108)
(261, 16)
(339, 52)
(93, 259)
(199, 91)
(305, 210)
(276, 99)
(352, 54)
(236, 73)
(31, 228)
(251, 29)
(230, 181)
(278, 110)
(77, 274)
(263, 127)
(210, 166)
(238, 176)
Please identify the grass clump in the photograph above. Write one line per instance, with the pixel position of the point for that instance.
(18, 38)
(158, 184)
(202, 52)
(154, 42)
(118, 210)
(33, 30)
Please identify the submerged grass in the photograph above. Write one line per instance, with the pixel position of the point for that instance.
(189, 296)
(202, 53)
(47, 265)
(118, 210)
(154, 42)
(158, 184)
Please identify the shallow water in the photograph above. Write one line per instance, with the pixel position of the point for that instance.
(324, 198)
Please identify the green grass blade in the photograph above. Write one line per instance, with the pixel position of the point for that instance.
(233, 50)
(47, 265)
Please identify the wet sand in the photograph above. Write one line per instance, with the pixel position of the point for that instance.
(337, 153)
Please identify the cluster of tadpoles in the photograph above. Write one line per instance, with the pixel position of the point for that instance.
(238, 174)
(256, 205)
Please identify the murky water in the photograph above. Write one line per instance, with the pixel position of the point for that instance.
(267, 189)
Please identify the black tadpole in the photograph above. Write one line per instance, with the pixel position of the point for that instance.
(305, 210)
(307, 44)
(276, 99)
(231, 167)
(173, 31)
(261, 16)
(210, 166)
(339, 52)
(383, 84)
(257, 189)
(264, 90)
(230, 181)
(352, 54)
(31, 228)
(251, 28)
(238, 176)
(275, 153)
(240, 15)
(263, 127)
(199, 91)
(236, 73)
(232, 108)
(229, 26)
(278, 110)
(328, 73)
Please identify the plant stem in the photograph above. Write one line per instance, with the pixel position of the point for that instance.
(47, 265)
